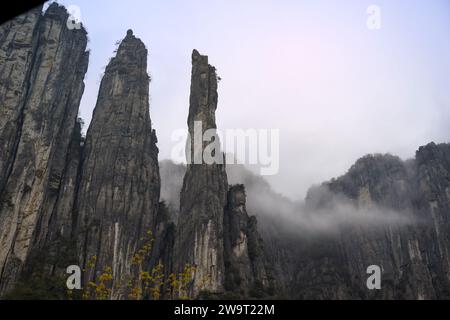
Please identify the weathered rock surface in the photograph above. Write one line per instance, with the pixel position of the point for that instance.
(65, 199)
(214, 232)
(306, 264)
(414, 257)
(43, 67)
(118, 198)
(18, 44)
(199, 238)
(246, 271)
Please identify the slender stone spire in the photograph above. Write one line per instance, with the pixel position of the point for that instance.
(199, 239)
(120, 184)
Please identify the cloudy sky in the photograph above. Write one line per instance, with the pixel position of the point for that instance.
(336, 89)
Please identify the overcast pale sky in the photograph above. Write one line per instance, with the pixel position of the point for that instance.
(334, 88)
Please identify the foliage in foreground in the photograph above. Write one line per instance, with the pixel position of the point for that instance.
(144, 283)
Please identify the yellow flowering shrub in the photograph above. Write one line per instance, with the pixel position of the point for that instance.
(151, 284)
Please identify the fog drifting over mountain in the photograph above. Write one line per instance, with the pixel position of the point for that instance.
(312, 69)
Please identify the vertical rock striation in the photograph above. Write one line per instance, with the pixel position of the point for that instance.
(245, 263)
(117, 201)
(40, 92)
(199, 238)
(414, 257)
(214, 232)
(18, 44)
(65, 199)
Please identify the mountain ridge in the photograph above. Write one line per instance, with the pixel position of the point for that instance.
(94, 201)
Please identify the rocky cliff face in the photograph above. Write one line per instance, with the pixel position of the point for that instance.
(246, 270)
(413, 257)
(18, 43)
(433, 187)
(65, 199)
(199, 238)
(117, 201)
(411, 248)
(70, 200)
(43, 66)
(214, 232)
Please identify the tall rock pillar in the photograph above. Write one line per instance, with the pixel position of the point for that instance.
(199, 239)
(43, 64)
(119, 190)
